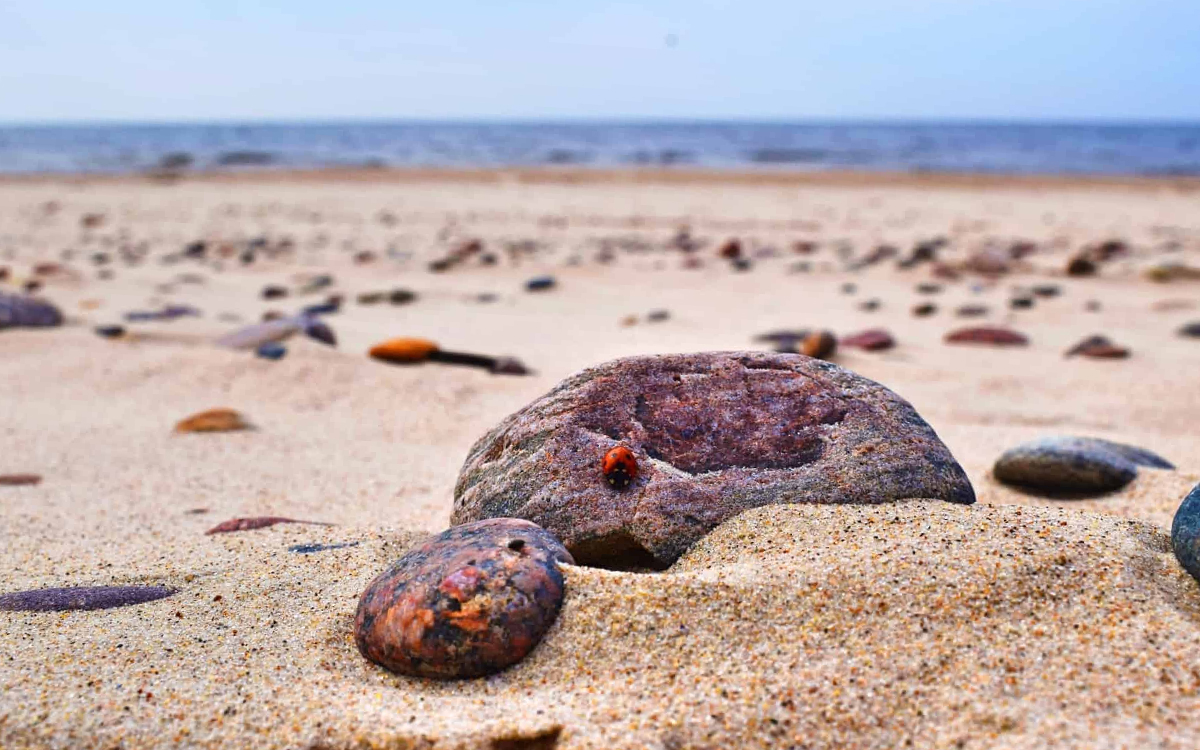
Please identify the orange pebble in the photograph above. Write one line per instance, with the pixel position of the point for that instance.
(213, 420)
(404, 350)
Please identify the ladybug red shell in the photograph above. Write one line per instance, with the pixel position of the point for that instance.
(619, 467)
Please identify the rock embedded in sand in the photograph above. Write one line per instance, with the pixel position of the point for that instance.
(256, 522)
(1098, 347)
(713, 435)
(81, 598)
(1069, 464)
(213, 420)
(1185, 533)
(467, 603)
(540, 284)
(871, 340)
(987, 335)
(17, 311)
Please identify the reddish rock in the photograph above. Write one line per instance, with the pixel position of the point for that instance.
(730, 250)
(713, 435)
(1098, 347)
(872, 340)
(924, 310)
(1081, 265)
(470, 602)
(19, 480)
(257, 522)
(987, 335)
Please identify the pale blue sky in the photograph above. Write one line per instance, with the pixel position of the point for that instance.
(81, 60)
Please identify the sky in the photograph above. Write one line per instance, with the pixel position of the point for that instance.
(143, 60)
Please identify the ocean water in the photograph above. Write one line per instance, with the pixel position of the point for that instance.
(1142, 149)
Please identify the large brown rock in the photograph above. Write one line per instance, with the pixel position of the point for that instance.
(713, 434)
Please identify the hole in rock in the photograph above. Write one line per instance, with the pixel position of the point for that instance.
(617, 551)
(516, 545)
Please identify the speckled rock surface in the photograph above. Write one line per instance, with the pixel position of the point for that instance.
(713, 435)
(1185, 533)
(471, 601)
(1074, 464)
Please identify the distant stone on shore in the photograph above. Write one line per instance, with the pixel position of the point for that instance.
(17, 311)
(713, 434)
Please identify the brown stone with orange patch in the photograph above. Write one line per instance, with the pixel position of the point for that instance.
(470, 602)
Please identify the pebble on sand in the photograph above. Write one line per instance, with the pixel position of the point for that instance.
(925, 309)
(470, 602)
(213, 420)
(81, 598)
(1191, 330)
(405, 350)
(871, 340)
(987, 335)
(1098, 347)
(256, 522)
(540, 284)
(819, 344)
(17, 311)
(1185, 533)
(272, 350)
(110, 332)
(1068, 464)
(19, 480)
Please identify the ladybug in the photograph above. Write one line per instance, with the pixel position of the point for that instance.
(619, 467)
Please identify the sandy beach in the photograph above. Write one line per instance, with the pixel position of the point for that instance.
(1017, 622)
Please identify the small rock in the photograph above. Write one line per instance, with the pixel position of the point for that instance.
(19, 480)
(213, 420)
(540, 284)
(658, 316)
(1191, 330)
(26, 312)
(1021, 303)
(819, 344)
(318, 330)
(849, 288)
(870, 305)
(971, 311)
(328, 307)
(110, 332)
(1081, 265)
(924, 310)
(1092, 305)
(987, 335)
(308, 549)
(742, 264)
(1167, 272)
(81, 598)
(254, 336)
(929, 288)
(470, 602)
(1185, 533)
(872, 340)
(256, 522)
(371, 298)
(1047, 290)
(1098, 347)
(1067, 464)
(272, 350)
(403, 350)
(731, 249)
(401, 296)
(509, 366)
(274, 292)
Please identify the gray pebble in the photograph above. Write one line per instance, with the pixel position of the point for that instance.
(1070, 464)
(1185, 533)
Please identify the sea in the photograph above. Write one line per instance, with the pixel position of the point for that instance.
(964, 147)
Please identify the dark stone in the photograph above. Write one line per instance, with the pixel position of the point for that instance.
(924, 310)
(849, 288)
(929, 288)
(272, 350)
(308, 549)
(328, 307)
(402, 296)
(1098, 347)
(870, 305)
(713, 434)
(540, 284)
(872, 340)
(1021, 303)
(658, 316)
(318, 331)
(1185, 533)
(26, 312)
(731, 249)
(81, 598)
(987, 335)
(469, 602)
(971, 311)
(1191, 330)
(274, 292)
(1081, 266)
(110, 332)
(1067, 464)
(742, 264)
(1047, 290)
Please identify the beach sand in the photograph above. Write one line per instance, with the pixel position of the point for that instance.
(1016, 622)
